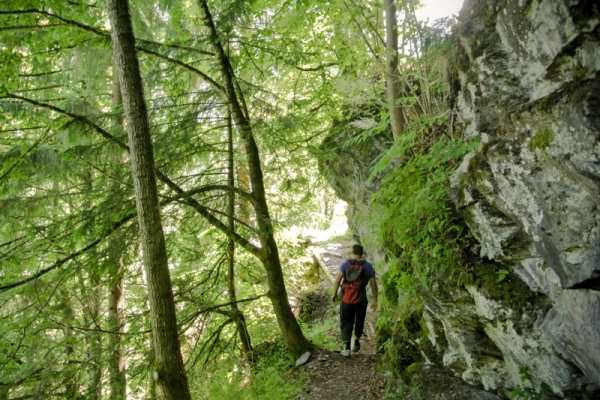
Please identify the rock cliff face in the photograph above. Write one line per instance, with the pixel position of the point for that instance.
(531, 192)
(347, 174)
(530, 90)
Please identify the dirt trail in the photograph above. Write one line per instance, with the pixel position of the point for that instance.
(329, 374)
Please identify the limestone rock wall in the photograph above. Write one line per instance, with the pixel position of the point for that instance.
(347, 172)
(530, 194)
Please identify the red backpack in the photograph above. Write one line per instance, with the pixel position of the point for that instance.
(353, 280)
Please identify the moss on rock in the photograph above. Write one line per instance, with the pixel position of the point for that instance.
(542, 139)
(510, 291)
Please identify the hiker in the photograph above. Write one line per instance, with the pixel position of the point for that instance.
(356, 273)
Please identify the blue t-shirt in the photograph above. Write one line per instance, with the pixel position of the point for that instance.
(368, 269)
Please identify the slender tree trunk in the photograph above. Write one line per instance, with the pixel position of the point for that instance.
(244, 184)
(391, 68)
(236, 313)
(94, 340)
(4, 392)
(169, 372)
(116, 322)
(116, 298)
(90, 290)
(116, 310)
(70, 376)
(292, 335)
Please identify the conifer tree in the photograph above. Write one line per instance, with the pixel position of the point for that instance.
(168, 370)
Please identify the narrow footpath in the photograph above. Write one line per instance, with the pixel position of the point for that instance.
(328, 374)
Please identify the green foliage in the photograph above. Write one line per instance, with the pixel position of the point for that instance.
(374, 130)
(398, 329)
(414, 218)
(502, 274)
(528, 391)
(63, 185)
(545, 104)
(320, 329)
(502, 286)
(580, 73)
(234, 380)
(321, 333)
(542, 139)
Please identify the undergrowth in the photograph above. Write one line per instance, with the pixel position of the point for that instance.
(415, 220)
(415, 224)
(236, 380)
(319, 318)
(528, 391)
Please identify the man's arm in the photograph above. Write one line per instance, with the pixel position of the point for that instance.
(336, 285)
(375, 291)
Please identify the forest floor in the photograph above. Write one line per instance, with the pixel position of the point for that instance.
(327, 374)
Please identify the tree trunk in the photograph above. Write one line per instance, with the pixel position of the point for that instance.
(244, 184)
(391, 68)
(116, 299)
(70, 379)
(94, 339)
(292, 335)
(91, 291)
(169, 371)
(116, 309)
(4, 389)
(236, 314)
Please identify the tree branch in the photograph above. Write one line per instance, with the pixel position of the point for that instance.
(96, 31)
(194, 315)
(70, 257)
(202, 210)
(106, 35)
(214, 221)
(186, 320)
(210, 188)
(28, 27)
(73, 116)
(25, 154)
(207, 78)
(277, 56)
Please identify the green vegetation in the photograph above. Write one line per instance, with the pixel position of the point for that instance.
(411, 215)
(502, 274)
(502, 286)
(424, 242)
(580, 73)
(322, 330)
(545, 105)
(541, 140)
(528, 391)
(267, 380)
(74, 298)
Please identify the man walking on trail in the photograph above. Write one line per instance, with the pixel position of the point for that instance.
(356, 274)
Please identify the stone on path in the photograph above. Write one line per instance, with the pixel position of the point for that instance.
(303, 359)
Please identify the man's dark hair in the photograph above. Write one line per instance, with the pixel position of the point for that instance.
(357, 249)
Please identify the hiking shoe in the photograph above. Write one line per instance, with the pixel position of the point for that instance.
(345, 353)
(356, 348)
